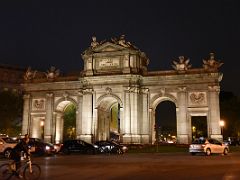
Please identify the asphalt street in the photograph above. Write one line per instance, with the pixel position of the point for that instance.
(178, 166)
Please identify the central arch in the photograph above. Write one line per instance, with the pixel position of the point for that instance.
(156, 100)
(108, 121)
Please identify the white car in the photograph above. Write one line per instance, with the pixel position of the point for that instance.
(6, 146)
(208, 146)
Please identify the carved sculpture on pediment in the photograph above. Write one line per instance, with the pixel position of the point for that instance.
(52, 73)
(182, 64)
(94, 42)
(122, 42)
(211, 64)
(29, 74)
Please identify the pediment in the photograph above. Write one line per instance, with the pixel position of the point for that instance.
(108, 47)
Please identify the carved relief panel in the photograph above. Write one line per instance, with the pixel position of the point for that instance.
(38, 104)
(197, 98)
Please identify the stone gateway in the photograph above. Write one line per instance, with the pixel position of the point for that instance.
(116, 96)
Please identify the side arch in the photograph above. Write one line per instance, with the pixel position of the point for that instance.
(155, 100)
(65, 99)
(99, 100)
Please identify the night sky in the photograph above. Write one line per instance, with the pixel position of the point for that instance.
(55, 33)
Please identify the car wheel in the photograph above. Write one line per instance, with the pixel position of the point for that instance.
(193, 153)
(90, 151)
(7, 153)
(225, 152)
(208, 152)
(65, 151)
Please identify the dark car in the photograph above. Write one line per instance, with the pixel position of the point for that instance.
(39, 147)
(77, 146)
(110, 147)
(233, 141)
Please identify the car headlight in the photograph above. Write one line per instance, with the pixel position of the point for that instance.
(95, 146)
(47, 148)
(124, 148)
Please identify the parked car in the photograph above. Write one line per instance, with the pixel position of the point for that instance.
(39, 147)
(77, 146)
(208, 146)
(6, 145)
(110, 147)
(233, 141)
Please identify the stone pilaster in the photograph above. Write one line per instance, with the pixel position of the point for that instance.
(79, 114)
(182, 121)
(87, 115)
(127, 117)
(59, 128)
(145, 125)
(49, 118)
(26, 115)
(214, 112)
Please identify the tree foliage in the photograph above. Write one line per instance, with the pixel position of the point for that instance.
(69, 122)
(11, 107)
(230, 113)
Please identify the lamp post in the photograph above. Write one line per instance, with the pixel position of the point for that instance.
(222, 123)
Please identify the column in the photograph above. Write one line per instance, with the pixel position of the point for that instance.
(214, 112)
(26, 116)
(182, 122)
(49, 116)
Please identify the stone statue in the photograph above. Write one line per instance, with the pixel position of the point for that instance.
(52, 73)
(211, 64)
(182, 65)
(29, 74)
(94, 42)
(122, 42)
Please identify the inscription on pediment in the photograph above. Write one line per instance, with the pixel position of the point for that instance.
(108, 62)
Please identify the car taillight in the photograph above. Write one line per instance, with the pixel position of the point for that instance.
(203, 145)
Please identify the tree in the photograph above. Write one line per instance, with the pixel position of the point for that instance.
(230, 113)
(11, 107)
(69, 122)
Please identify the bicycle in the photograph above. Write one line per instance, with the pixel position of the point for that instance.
(29, 170)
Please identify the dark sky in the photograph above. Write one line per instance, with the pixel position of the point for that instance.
(45, 33)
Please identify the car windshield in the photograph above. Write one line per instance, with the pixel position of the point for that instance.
(199, 141)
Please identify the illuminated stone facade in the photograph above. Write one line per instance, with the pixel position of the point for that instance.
(115, 73)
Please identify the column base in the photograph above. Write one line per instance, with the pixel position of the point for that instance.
(131, 139)
(48, 138)
(183, 139)
(85, 137)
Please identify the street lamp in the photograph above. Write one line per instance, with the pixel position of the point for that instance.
(222, 123)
